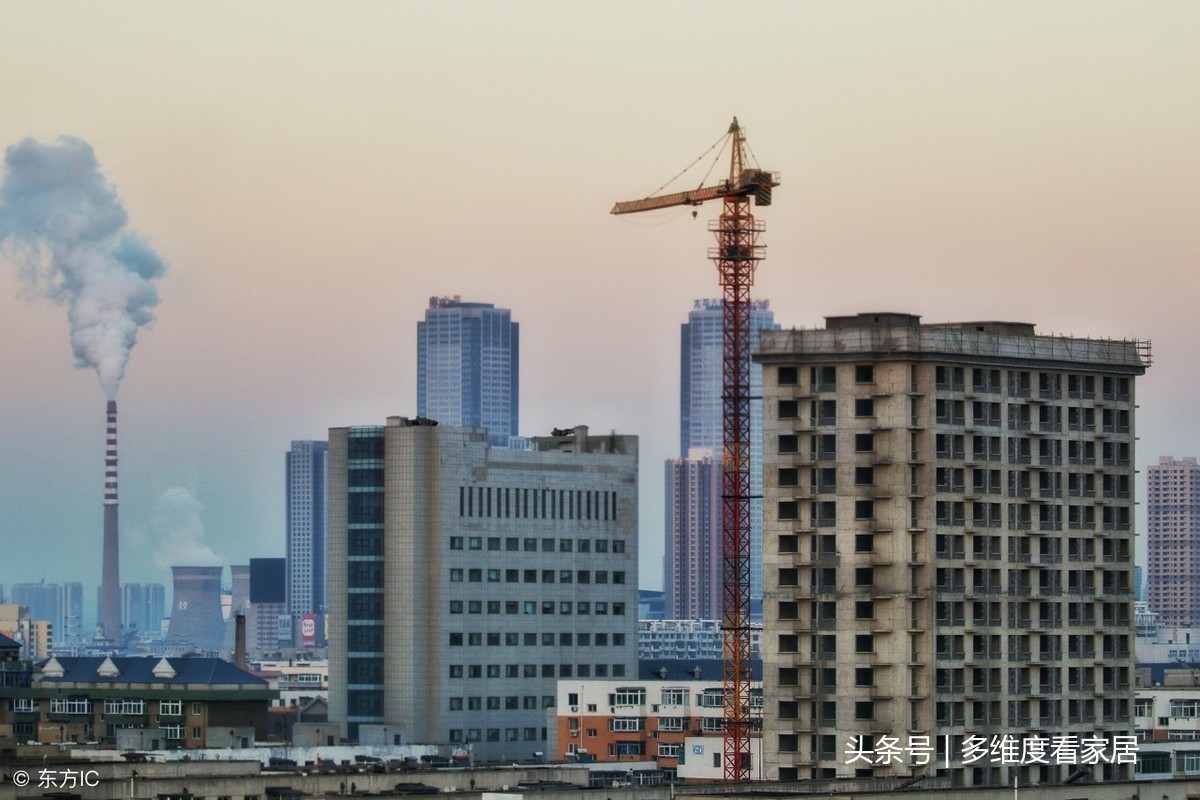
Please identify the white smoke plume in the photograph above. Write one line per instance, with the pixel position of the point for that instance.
(62, 223)
(177, 523)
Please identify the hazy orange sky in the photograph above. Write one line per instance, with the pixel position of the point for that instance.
(313, 172)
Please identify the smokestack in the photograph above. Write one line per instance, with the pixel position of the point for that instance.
(239, 646)
(110, 580)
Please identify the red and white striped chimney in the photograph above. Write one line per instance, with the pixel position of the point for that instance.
(110, 580)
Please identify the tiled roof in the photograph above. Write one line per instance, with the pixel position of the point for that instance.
(8, 644)
(142, 669)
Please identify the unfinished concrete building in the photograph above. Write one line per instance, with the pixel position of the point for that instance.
(948, 550)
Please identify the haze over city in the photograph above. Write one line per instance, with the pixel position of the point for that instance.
(312, 173)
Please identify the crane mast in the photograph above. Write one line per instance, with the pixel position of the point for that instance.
(736, 255)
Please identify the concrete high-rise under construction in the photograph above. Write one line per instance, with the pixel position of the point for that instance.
(949, 547)
(110, 577)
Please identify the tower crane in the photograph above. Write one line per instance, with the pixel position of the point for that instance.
(736, 255)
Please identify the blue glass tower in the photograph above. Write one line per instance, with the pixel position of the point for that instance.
(700, 424)
(467, 366)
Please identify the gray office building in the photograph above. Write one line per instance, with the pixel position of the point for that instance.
(465, 580)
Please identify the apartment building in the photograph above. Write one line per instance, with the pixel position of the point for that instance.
(948, 548)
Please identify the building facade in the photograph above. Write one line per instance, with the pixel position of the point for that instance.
(306, 532)
(669, 722)
(61, 605)
(701, 425)
(950, 543)
(688, 639)
(1173, 541)
(143, 608)
(692, 564)
(468, 355)
(466, 580)
(146, 703)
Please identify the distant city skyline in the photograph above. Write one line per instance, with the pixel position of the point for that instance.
(987, 161)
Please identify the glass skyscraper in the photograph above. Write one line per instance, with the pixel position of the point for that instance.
(306, 529)
(467, 367)
(701, 426)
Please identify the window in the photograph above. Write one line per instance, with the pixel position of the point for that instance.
(24, 705)
(864, 407)
(629, 696)
(671, 724)
(170, 708)
(864, 373)
(120, 707)
(456, 576)
(864, 442)
(70, 705)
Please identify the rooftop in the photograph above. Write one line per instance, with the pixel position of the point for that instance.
(894, 335)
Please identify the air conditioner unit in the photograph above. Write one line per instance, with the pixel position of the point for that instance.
(574, 709)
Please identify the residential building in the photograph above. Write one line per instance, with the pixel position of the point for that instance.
(36, 636)
(672, 722)
(692, 564)
(306, 534)
(143, 608)
(1166, 710)
(468, 357)
(60, 605)
(1173, 541)
(465, 580)
(139, 703)
(688, 639)
(701, 425)
(950, 543)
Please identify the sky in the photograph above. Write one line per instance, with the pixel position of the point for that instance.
(312, 173)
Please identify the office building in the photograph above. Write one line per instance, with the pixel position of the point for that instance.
(306, 532)
(701, 425)
(1173, 541)
(465, 580)
(467, 367)
(269, 627)
(949, 544)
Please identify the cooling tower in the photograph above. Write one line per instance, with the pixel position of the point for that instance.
(110, 577)
(196, 608)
